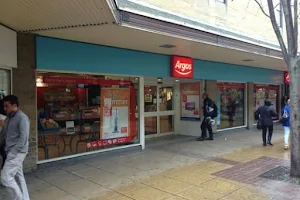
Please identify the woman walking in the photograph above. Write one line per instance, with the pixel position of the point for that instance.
(286, 124)
(266, 113)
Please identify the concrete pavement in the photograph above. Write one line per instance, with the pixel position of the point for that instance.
(174, 167)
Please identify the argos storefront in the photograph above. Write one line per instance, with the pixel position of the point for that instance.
(89, 103)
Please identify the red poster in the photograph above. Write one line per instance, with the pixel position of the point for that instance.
(190, 101)
(115, 107)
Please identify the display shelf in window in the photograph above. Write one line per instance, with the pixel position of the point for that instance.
(66, 116)
(91, 113)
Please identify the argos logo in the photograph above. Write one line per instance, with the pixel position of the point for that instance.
(182, 67)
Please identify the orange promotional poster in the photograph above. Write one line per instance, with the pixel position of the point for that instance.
(115, 107)
(190, 101)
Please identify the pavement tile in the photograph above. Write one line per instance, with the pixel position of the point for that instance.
(175, 198)
(196, 193)
(148, 193)
(221, 186)
(250, 192)
(166, 184)
(83, 189)
(49, 194)
(194, 179)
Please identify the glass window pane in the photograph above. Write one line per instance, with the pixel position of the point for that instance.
(150, 125)
(4, 82)
(166, 124)
(165, 98)
(150, 98)
(231, 103)
(263, 92)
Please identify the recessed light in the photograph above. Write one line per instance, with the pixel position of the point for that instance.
(167, 46)
(247, 60)
(176, 80)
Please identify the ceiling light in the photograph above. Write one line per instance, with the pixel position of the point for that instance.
(176, 80)
(167, 46)
(247, 60)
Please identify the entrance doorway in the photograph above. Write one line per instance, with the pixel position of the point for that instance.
(159, 109)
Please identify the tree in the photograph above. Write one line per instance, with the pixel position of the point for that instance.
(289, 48)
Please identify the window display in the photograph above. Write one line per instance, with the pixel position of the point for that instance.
(231, 104)
(77, 114)
(263, 92)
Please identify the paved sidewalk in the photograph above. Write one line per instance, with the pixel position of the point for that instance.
(175, 167)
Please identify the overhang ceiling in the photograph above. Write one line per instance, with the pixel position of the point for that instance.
(33, 15)
(97, 22)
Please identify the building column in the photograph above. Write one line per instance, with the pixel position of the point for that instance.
(211, 89)
(24, 86)
(250, 106)
(142, 112)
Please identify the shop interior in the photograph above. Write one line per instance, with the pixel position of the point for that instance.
(231, 101)
(263, 92)
(73, 113)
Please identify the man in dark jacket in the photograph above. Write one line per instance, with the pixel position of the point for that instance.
(208, 107)
(266, 113)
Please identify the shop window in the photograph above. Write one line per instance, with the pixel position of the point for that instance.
(78, 114)
(231, 104)
(263, 92)
(5, 83)
(150, 98)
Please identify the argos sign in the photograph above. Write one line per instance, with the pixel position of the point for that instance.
(286, 78)
(182, 67)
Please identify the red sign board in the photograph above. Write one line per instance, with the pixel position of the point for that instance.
(286, 78)
(182, 67)
(110, 142)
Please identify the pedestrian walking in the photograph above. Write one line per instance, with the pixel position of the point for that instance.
(16, 134)
(265, 114)
(286, 123)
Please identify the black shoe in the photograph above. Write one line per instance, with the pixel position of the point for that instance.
(265, 144)
(209, 138)
(200, 139)
(269, 143)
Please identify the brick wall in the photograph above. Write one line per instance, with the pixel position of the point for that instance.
(240, 16)
(24, 86)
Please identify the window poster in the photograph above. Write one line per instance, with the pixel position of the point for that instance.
(115, 117)
(190, 101)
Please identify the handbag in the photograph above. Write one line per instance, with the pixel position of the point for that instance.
(284, 117)
(259, 124)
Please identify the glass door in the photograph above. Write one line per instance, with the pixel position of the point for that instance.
(159, 109)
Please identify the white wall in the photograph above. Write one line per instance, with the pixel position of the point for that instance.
(8, 47)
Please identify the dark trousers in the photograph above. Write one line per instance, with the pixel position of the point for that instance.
(264, 133)
(206, 126)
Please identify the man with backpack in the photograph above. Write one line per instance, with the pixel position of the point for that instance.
(210, 111)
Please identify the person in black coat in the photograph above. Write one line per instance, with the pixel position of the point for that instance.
(266, 113)
(208, 105)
